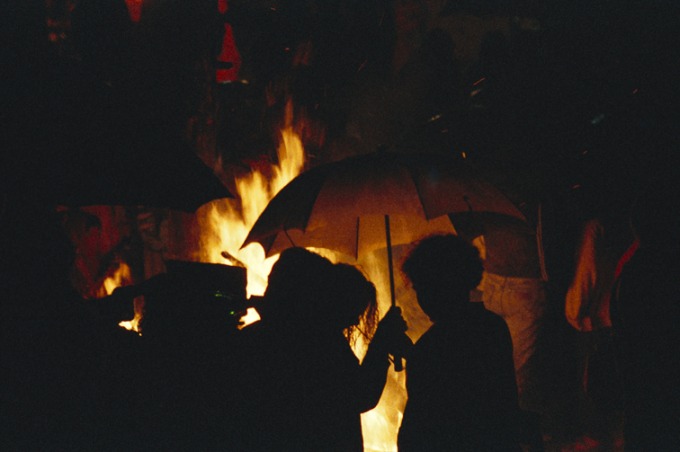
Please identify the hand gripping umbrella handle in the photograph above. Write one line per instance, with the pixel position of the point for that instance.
(401, 348)
(398, 364)
(399, 342)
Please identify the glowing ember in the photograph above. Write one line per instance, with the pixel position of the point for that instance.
(251, 316)
(131, 325)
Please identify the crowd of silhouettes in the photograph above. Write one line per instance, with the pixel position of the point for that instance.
(72, 379)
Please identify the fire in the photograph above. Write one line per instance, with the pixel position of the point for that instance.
(117, 279)
(224, 226)
(225, 223)
(132, 325)
(120, 277)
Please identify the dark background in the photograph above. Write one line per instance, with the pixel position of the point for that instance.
(590, 85)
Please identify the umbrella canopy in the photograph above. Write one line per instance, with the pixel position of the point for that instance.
(373, 201)
(162, 174)
(74, 140)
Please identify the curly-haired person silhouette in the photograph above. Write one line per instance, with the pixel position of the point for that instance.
(460, 376)
(306, 387)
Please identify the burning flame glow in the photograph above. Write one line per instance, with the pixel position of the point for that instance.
(226, 223)
(120, 277)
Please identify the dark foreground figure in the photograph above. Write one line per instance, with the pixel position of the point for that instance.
(305, 388)
(646, 319)
(186, 352)
(63, 362)
(461, 385)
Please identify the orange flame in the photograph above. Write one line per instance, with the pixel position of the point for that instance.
(226, 223)
(120, 277)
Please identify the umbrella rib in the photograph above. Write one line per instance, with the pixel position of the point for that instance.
(285, 231)
(420, 197)
(267, 244)
(321, 182)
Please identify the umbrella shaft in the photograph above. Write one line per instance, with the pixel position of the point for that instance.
(389, 258)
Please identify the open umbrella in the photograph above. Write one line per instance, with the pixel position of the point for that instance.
(71, 139)
(373, 201)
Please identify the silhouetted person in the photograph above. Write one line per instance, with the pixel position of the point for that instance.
(514, 286)
(645, 315)
(460, 377)
(56, 347)
(307, 389)
(604, 238)
(184, 385)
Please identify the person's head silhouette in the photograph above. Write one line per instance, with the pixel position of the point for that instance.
(352, 303)
(443, 269)
(296, 282)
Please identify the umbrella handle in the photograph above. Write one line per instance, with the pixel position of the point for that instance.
(398, 365)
